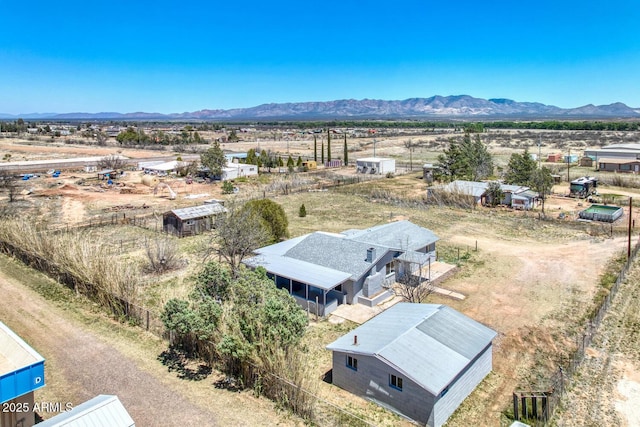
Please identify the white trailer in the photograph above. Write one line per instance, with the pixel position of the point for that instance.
(376, 165)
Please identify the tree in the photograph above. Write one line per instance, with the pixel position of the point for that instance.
(238, 234)
(520, 168)
(322, 152)
(9, 183)
(112, 161)
(290, 162)
(328, 145)
(494, 193)
(315, 149)
(412, 285)
(302, 212)
(299, 162)
(273, 216)
(227, 187)
(346, 151)
(233, 136)
(542, 182)
(214, 159)
(467, 159)
(251, 159)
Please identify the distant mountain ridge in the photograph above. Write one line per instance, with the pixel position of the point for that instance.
(433, 108)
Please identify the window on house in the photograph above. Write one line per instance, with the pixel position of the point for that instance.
(395, 382)
(390, 268)
(352, 363)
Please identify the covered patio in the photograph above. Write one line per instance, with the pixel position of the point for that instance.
(316, 288)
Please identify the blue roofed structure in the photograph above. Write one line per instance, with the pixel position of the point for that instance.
(421, 360)
(21, 373)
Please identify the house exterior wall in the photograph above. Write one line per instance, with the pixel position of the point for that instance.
(189, 227)
(616, 167)
(371, 381)
(462, 386)
(358, 286)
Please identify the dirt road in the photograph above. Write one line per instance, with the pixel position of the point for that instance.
(81, 363)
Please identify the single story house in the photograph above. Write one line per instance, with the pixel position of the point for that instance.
(191, 221)
(236, 170)
(618, 164)
(323, 270)
(101, 411)
(164, 168)
(376, 165)
(419, 360)
(515, 196)
(21, 373)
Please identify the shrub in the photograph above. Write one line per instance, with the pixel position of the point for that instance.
(302, 212)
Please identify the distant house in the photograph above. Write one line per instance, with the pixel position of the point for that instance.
(420, 360)
(375, 165)
(515, 196)
(323, 270)
(619, 165)
(21, 373)
(238, 170)
(101, 411)
(191, 221)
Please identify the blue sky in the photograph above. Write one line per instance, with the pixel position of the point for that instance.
(170, 56)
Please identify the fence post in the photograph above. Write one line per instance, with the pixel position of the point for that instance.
(147, 320)
(516, 413)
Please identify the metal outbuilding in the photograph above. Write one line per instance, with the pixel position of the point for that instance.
(101, 411)
(21, 373)
(191, 221)
(376, 165)
(421, 360)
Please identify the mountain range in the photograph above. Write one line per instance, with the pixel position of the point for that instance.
(433, 108)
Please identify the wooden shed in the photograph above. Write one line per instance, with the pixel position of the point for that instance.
(193, 220)
(554, 157)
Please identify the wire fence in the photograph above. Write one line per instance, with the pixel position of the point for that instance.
(537, 407)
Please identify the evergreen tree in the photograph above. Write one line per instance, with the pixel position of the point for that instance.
(322, 152)
(467, 159)
(520, 169)
(346, 151)
(328, 145)
(302, 212)
(315, 149)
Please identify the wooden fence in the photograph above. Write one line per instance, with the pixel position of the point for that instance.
(537, 407)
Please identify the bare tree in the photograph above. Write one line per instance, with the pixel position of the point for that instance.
(413, 284)
(238, 234)
(162, 255)
(9, 184)
(112, 161)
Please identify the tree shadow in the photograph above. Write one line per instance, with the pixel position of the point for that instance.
(328, 377)
(177, 361)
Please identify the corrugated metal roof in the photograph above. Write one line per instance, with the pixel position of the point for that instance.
(101, 411)
(199, 211)
(301, 271)
(401, 235)
(429, 343)
(618, 161)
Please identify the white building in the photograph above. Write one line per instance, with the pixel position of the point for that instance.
(376, 165)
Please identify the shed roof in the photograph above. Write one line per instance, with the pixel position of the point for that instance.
(199, 211)
(374, 159)
(166, 166)
(429, 343)
(101, 411)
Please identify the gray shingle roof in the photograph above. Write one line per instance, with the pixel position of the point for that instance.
(337, 253)
(401, 235)
(429, 343)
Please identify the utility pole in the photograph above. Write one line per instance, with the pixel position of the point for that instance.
(568, 165)
(539, 154)
(629, 233)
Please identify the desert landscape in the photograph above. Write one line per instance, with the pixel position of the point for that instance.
(531, 280)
